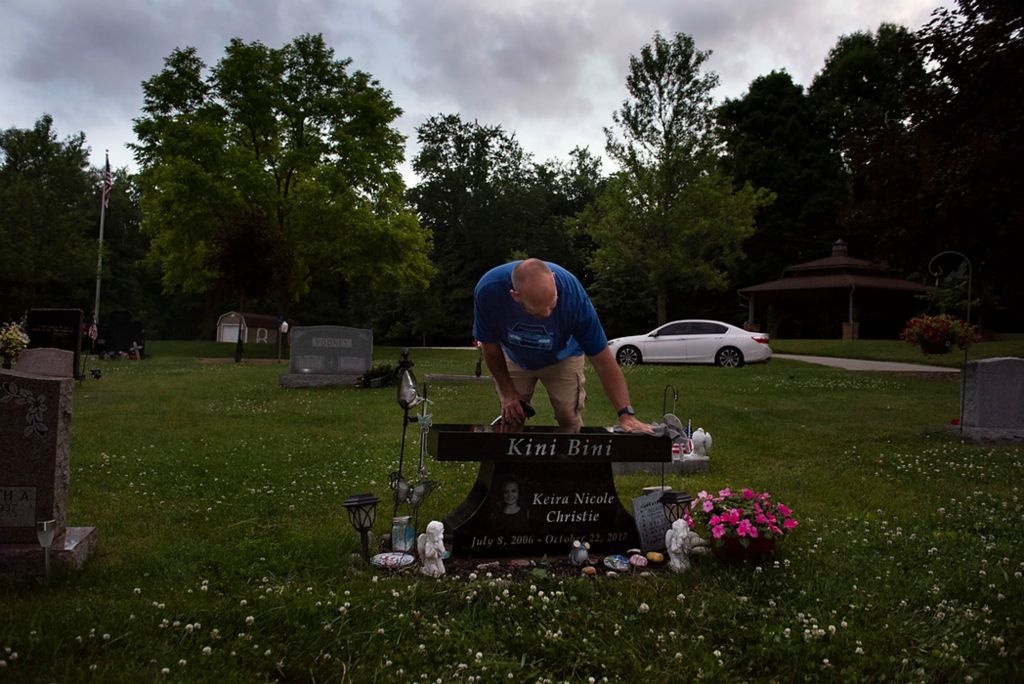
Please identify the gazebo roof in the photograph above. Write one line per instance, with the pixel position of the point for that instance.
(839, 271)
(836, 281)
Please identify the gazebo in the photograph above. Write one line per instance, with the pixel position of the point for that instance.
(837, 295)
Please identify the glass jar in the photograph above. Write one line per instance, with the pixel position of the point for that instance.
(403, 536)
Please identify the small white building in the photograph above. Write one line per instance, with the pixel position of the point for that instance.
(256, 328)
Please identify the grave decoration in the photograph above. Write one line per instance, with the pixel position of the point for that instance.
(405, 492)
(685, 459)
(743, 524)
(430, 546)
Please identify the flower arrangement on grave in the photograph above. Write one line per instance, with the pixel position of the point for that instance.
(741, 518)
(938, 334)
(12, 340)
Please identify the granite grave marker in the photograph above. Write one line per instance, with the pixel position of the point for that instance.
(323, 355)
(994, 399)
(35, 431)
(58, 329)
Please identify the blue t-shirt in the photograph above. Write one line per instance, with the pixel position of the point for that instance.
(573, 328)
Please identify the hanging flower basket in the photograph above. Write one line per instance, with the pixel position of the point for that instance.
(939, 334)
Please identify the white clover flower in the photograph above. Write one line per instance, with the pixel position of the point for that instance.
(644, 608)
(249, 621)
(207, 650)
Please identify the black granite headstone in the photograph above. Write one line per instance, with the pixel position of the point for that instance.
(539, 489)
(56, 328)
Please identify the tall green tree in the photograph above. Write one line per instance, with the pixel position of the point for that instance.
(475, 179)
(771, 142)
(286, 146)
(863, 100)
(670, 212)
(970, 125)
(49, 206)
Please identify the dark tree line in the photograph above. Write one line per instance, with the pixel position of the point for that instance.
(270, 181)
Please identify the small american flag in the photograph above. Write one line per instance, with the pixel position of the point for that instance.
(93, 331)
(108, 183)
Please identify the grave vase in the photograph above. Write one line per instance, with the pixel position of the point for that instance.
(730, 549)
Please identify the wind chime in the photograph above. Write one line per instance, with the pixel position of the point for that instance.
(411, 493)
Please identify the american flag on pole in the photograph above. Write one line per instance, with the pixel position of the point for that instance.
(93, 331)
(108, 183)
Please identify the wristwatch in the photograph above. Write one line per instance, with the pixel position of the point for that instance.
(627, 410)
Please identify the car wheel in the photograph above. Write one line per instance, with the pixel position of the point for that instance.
(629, 356)
(729, 357)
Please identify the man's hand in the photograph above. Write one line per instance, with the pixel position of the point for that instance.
(633, 424)
(512, 412)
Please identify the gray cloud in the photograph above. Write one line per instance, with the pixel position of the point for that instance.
(551, 72)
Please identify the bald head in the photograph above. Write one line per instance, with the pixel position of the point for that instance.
(533, 287)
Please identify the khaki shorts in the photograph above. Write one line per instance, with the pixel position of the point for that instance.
(564, 384)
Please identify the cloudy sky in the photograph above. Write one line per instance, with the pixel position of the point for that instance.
(551, 71)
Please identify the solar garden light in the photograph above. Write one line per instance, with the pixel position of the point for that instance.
(675, 504)
(45, 530)
(362, 510)
(97, 373)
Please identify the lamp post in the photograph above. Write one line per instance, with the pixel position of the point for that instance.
(362, 511)
(45, 530)
(937, 272)
(675, 504)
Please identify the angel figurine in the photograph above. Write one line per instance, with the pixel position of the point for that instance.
(430, 545)
(676, 544)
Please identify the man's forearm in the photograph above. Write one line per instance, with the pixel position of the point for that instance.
(494, 357)
(612, 380)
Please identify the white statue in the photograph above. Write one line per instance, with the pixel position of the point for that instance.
(430, 545)
(675, 542)
(701, 442)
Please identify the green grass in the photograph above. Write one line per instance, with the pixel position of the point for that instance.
(217, 497)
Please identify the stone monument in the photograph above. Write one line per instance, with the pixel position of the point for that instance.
(993, 399)
(326, 355)
(35, 431)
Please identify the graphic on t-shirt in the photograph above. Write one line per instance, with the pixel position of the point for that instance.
(531, 337)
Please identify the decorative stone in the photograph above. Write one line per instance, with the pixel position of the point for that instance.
(493, 565)
(392, 560)
(617, 563)
(633, 552)
(589, 570)
(611, 573)
(638, 561)
(520, 563)
(655, 557)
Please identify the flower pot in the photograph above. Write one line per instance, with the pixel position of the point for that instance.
(731, 549)
(929, 347)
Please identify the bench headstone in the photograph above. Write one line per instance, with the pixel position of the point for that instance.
(47, 361)
(322, 355)
(994, 399)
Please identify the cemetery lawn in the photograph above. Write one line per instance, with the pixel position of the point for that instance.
(225, 555)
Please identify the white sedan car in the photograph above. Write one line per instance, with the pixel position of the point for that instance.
(693, 341)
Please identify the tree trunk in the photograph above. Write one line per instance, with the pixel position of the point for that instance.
(662, 305)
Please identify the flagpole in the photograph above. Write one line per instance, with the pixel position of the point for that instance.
(99, 253)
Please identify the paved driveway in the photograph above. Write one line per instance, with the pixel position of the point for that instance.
(864, 365)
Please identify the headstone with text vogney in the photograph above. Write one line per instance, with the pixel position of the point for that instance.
(35, 431)
(324, 355)
(56, 328)
(539, 490)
